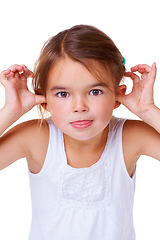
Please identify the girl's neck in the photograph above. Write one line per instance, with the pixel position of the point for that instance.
(81, 154)
(87, 145)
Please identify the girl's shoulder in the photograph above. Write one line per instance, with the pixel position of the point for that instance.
(26, 140)
(138, 139)
(31, 131)
(37, 139)
(137, 130)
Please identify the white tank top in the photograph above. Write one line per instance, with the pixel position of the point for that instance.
(94, 203)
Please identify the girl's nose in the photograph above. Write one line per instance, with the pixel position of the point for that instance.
(80, 105)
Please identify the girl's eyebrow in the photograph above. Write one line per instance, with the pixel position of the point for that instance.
(99, 85)
(58, 88)
(91, 86)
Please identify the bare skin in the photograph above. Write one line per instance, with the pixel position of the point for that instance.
(139, 137)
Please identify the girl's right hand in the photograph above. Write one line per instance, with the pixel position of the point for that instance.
(19, 99)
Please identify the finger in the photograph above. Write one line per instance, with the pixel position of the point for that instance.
(3, 77)
(14, 68)
(133, 76)
(24, 76)
(141, 68)
(10, 76)
(19, 72)
(16, 75)
(153, 72)
(6, 72)
(27, 74)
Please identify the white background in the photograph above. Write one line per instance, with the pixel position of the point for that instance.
(24, 27)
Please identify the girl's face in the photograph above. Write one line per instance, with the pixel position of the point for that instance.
(80, 106)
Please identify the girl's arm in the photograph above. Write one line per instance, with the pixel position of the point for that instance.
(144, 135)
(18, 101)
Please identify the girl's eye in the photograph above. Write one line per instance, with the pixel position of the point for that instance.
(95, 92)
(63, 94)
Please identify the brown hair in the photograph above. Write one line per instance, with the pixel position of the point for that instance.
(85, 44)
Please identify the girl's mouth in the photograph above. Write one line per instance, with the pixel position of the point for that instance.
(81, 124)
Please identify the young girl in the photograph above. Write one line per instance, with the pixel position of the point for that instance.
(81, 160)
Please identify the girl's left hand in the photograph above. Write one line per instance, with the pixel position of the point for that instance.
(140, 100)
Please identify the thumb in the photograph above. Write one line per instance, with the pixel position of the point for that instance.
(40, 99)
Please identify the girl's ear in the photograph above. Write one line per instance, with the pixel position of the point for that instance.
(44, 105)
(121, 90)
